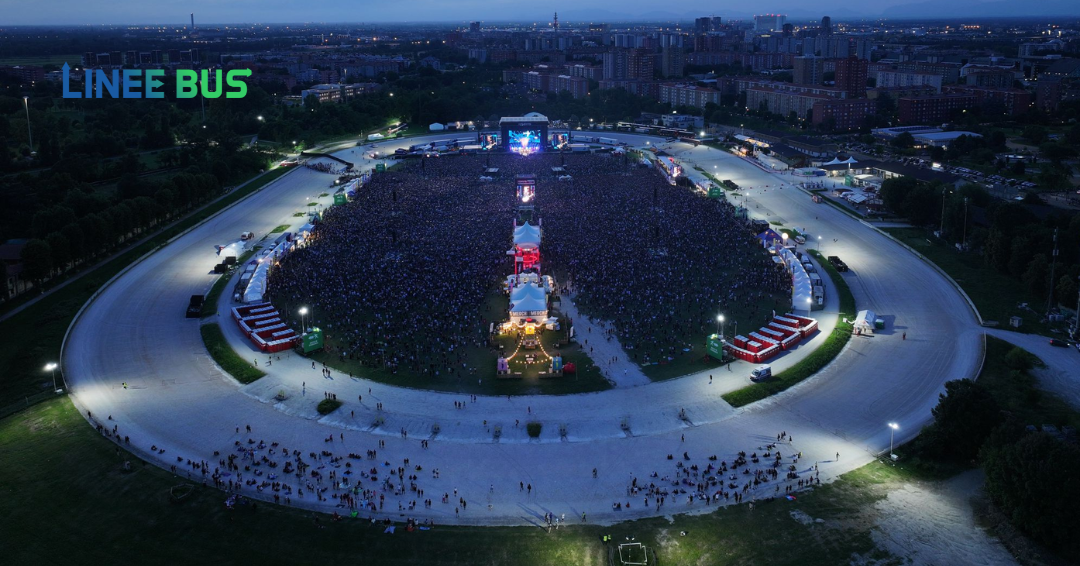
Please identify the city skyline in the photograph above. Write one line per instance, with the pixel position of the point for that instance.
(210, 12)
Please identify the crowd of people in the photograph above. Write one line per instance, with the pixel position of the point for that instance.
(356, 481)
(325, 166)
(655, 262)
(398, 277)
(715, 481)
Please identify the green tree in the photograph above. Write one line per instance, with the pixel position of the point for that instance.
(1066, 290)
(1035, 134)
(1029, 479)
(903, 141)
(963, 418)
(1036, 275)
(1019, 359)
(60, 250)
(37, 260)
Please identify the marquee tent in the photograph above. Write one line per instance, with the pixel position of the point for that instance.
(528, 301)
(527, 235)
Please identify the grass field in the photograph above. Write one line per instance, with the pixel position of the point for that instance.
(817, 359)
(996, 295)
(33, 337)
(226, 357)
(693, 358)
(1017, 392)
(101, 514)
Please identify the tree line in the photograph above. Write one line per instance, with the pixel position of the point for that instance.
(1013, 238)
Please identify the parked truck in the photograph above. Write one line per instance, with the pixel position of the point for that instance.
(194, 308)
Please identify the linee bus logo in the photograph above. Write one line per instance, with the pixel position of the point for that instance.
(139, 83)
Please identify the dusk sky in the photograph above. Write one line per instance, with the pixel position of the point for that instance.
(21, 12)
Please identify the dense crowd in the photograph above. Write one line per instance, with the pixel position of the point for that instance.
(656, 261)
(325, 166)
(398, 277)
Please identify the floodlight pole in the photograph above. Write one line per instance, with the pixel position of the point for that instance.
(29, 134)
(1053, 265)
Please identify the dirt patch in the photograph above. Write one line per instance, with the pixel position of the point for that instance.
(664, 540)
(932, 524)
(802, 517)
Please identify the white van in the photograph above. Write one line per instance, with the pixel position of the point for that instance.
(761, 373)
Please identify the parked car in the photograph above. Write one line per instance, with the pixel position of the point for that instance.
(838, 263)
(1059, 343)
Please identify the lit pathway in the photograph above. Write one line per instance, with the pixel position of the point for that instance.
(590, 334)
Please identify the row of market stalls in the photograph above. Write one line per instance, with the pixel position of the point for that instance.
(255, 290)
(263, 325)
(803, 294)
(780, 334)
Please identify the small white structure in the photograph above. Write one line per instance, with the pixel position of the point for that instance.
(436, 127)
(235, 249)
(864, 322)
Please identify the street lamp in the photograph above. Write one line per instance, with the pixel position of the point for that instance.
(51, 367)
(784, 236)
(720, 325)
(260, 118)
(892, 431)
(29, 134)
(941, 229)
(303, 311)
(819, 244)
(964, 245)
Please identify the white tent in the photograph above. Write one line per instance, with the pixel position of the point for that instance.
(235, 249)
(864, 321)
(528, 300)
(256, 287)
(802, 291)
(834, 161)
(527, 291)
(526, 236)
(436, 127)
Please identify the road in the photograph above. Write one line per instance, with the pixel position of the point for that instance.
(177, 400)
